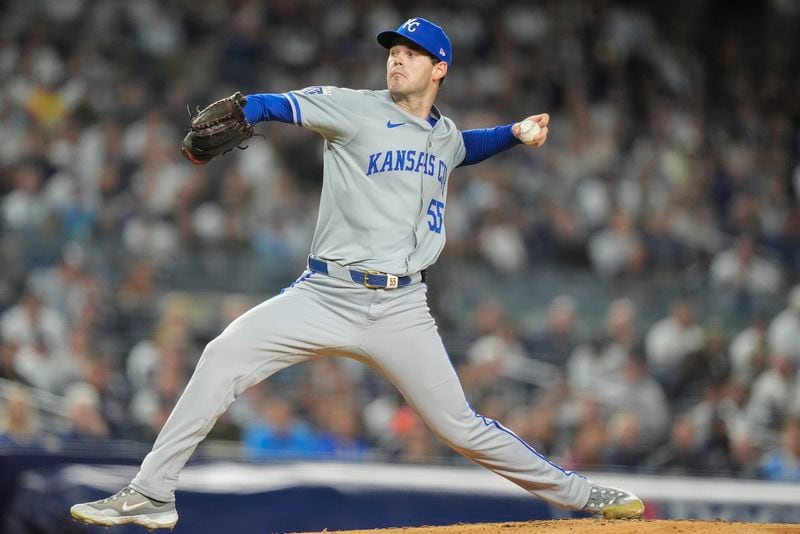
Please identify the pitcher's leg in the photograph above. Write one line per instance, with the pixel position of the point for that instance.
(226, 369)
(408, 349)
(493, 446)
(266, 339)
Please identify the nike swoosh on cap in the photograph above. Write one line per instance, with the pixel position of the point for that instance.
(390, 124)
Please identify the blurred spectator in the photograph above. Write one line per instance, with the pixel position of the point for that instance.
(774, 392)
(152, 402)
(501, 243)
(783, 463)
(665, 252)
(617, 249)
(744, 272)
(748, 351)
(279, 434)
(733, 407)
(706, 366)
(558, 339)
(70, 204)
(170, 344)
(8, 368)
(24, 208)
(784, 330)
(322, 380)
(39, 334)
(226, 224)
(639, 395)
(135, 302)
(600, 362)
(79, 352)
(683, 455)
(587, 447)
(562, 235)
(30, 322)
(86, 421)
(62, 288)
(147, 236)
(341, 432)
(102, 375)
(19, 422)
(157, 27)
(626, 448)
(745, 457)
(246, 409)
(493, 357)
(711, 426)
(671, 340)
(697, 228)
(412, 441)
(147, 356)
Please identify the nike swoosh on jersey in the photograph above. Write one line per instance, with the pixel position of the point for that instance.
(390, 124)
(126, 508)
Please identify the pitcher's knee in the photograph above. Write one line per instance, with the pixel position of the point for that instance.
(470, 433)
(217, 369)
(458, 441)
(460, 437)
(217, 353)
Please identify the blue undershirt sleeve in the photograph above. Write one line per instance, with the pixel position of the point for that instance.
(268, 107)
(484, 143)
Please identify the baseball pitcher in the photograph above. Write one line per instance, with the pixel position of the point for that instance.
(387, 162)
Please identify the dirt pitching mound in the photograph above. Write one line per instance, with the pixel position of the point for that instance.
(595, 526)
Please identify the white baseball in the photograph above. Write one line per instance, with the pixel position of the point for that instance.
(528, 129)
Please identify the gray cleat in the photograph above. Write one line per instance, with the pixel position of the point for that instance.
(127, 506)
(613, 503)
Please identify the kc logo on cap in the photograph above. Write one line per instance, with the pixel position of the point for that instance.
(423, 33)
(411, 25)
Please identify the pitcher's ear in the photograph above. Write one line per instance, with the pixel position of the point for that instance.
(440, 70)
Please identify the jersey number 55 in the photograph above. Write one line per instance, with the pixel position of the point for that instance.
(435, 215)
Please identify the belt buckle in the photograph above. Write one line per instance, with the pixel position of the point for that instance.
(366, 279)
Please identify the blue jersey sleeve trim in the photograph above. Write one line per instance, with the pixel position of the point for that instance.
(268, 107)
(298, 117)
(484, 143)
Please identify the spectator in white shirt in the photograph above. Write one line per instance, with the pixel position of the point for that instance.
(784, 331)
(672, 339)
(40, 335)
(774, 396)
(748, 351)
(742, 270)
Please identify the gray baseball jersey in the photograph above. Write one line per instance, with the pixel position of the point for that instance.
(382, 209)
(385, 179)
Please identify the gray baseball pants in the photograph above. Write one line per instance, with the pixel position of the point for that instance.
(392, 331)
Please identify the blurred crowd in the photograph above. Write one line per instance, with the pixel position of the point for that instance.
(674, 153)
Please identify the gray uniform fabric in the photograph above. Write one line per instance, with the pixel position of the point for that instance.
(383, 200)
(384, 179)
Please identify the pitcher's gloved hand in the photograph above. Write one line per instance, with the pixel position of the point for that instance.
(217, 129)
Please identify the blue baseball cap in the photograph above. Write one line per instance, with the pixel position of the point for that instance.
(425, 34)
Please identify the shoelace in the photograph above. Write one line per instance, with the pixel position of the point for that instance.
(118, 495)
